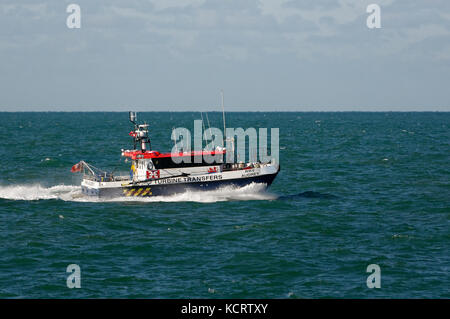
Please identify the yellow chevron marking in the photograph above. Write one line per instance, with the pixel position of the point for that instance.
(131, 192)
(147, 191)
(138, 192)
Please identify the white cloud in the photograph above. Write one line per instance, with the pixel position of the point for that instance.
(160, 5)
(401, 39)
(346, 11)
(342, 12)
(233, 52)
(34, 10)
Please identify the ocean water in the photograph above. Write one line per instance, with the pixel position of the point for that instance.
(354, 189)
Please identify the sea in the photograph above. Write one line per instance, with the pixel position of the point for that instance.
(361, 198)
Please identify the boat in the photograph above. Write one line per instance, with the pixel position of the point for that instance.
(155, 174)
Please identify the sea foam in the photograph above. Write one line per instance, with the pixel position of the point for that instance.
(38, 192)
(32, 192)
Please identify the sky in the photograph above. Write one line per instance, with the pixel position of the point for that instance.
(267, 55)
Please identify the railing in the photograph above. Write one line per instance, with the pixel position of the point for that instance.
(93, 173)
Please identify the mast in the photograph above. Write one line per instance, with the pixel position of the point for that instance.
(140, 133)
(224, 125)
(209, 125)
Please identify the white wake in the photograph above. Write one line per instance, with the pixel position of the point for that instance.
(32, 192)
(37, 192)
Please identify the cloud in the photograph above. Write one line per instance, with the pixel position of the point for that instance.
(321, 28)
(233, 29)
(160, 5)
(289, 40)
(345, 11)
(401, 40)
(28, 10)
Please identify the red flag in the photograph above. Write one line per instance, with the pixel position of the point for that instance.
(76, 168)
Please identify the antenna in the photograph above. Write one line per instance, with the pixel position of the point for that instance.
(203, 123)
(175, 142)
(133, 117)
(209, 125)
(223, 113)
(140, 133)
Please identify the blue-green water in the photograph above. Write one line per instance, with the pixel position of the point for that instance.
(354, 189)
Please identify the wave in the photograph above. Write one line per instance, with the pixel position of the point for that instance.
(308, 194)
(34, 192)
(38, 192)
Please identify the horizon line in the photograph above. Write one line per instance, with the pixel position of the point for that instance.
(231, 111)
